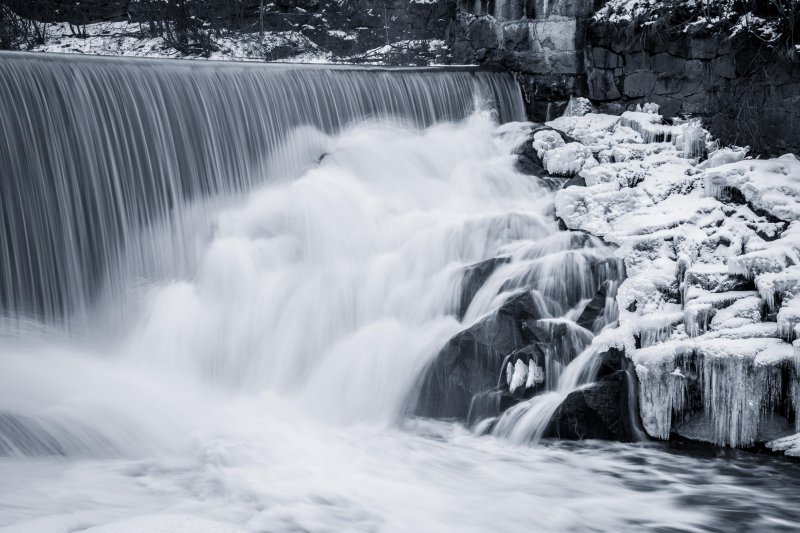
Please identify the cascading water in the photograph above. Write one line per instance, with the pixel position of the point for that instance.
(221, 284)
(97, 149)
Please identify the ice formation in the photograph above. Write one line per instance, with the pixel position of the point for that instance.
(711, 303)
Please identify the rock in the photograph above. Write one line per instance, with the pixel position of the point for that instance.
(666, 63)
(545, 140)
(516, 37)
(602, 85)
(541, 138)
(605, 58)
(639, 84)
(528, 160)
(471, 362)
(575, 181)
(578, 107)
(474, 278)
(637, 61)
(703, 48)
(525, 372)
(530, 164)
(482, 34)
(599, 411)
(561, 8)
(724, 67)
(569, 159)
(595, 308)
(546, 62)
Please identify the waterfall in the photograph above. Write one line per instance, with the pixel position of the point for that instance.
(176, 231)
(221, 287)
(97, 153)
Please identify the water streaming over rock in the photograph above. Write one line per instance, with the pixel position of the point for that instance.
(223, 288)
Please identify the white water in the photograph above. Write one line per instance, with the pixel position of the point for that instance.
(262, 386)
(262, 394)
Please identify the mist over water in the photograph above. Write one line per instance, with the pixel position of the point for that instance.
(246, 360)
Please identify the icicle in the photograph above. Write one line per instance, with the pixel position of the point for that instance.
(520, 376)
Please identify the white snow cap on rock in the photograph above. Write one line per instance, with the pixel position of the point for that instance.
(546, 140)
(569, 159)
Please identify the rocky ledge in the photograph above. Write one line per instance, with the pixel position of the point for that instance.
(710, 240)
(673, 290)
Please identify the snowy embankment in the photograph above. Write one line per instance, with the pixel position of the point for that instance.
(710, 308)
(131, 39)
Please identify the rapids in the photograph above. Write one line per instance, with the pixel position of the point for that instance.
(229, 340)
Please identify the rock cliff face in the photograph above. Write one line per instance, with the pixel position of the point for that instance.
(540, 41)
(744, 96)
(746, 93)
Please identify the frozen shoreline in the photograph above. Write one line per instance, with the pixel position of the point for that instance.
(707, 312)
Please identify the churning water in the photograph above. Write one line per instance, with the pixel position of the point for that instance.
(220, 284)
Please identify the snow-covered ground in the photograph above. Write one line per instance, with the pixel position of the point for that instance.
(707, 16)
(132, 40)
(711, 304)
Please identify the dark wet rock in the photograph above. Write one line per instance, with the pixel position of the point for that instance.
(575, 181)
(489, 404)
(602, 84)
(639, 84)
(471, 362)
(552, 184)
(611, 361)
(598, 411)
(529, 163)
(474, 278)
(595, 308)
(607, 409)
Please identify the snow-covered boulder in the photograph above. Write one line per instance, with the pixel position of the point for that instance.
(569, 159)
(769, 185)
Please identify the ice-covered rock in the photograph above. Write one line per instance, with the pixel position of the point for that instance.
(789, 445)
(535, 375)
(712, 253)
(739, 383)
(723, 156)
(692, 140)
(546, 140)
(568, 159)
(650, 126)
(769, 185)
(578, 107)
(789, 317)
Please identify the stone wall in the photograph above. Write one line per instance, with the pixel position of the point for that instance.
(745, 95)
(539, 40)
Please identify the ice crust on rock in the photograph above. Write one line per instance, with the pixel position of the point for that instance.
(711, 303)
(569, 159)
(769, 185)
